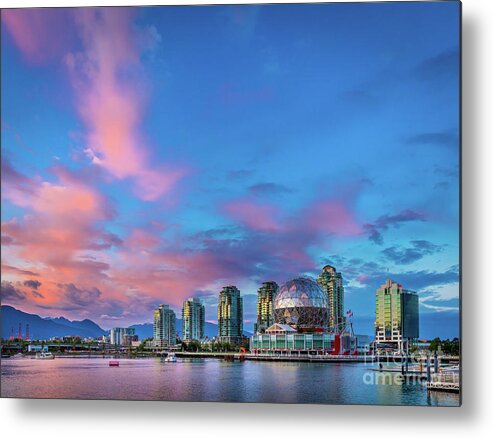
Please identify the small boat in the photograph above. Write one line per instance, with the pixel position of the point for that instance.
(44, 355)
(114, 363)
(170, 357)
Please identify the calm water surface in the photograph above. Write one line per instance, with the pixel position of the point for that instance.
(210, 380)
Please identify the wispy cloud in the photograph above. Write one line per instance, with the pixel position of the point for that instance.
(268, 189)
(110, 91)
(445, 64)
(33, 284)
(383, 223)
(36, 32)
(405, 256)
(444, 138)
(109, 84)
(9, 293)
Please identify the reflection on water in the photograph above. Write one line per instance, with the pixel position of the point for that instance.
(208, 380)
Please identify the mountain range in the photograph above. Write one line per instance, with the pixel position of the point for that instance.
(45, 328)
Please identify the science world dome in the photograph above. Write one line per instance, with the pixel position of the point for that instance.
(301, 302)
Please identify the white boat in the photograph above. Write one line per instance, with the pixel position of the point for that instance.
(170, 357)
(44, 355)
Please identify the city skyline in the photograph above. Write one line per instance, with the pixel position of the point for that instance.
(259, 145)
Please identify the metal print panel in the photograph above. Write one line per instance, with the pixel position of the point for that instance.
(237, 203)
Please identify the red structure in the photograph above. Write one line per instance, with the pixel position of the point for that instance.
(337, 344)
(19, 334)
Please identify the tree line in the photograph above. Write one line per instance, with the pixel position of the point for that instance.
(446, 346)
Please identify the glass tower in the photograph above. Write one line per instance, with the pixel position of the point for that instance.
(230, 315)
(331, 282)
(164, 327)
(265, 306)
(193, 319)
(122, 336)
(396, 315)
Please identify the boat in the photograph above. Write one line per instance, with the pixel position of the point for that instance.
(171, 357)
(44, 355)
(114, 363)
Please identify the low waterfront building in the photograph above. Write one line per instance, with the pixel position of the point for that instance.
(282, 339)
(36, 348)
(396, 316)
(164, 329)
(363, 343)
(130, 337)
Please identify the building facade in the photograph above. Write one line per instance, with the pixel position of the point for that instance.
(122, 336)
(164, 330)
(396, 316)
(265, 306)
(230, 315)
(301, 324)
(331, 282)
(284, 340)
(193, 320)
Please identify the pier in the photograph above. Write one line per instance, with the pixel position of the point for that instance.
(448, 381)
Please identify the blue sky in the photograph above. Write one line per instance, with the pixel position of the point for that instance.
(267, 141)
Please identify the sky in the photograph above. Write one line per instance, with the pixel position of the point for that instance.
(153, 154)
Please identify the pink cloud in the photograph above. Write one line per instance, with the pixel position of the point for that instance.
(260, 217)
(324, 216)
(111, 96)
(140, 239)
(61, 227)
(109, 82)
(362, 278)
(332, 217)
(41, 35)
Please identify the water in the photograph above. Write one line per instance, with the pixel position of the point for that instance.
(211, 380)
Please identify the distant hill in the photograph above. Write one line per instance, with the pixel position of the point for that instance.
(85, 324)
(45, 328)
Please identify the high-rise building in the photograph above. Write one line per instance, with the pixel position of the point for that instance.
(122, 336)
(265, 306)
(193, 319)
(331, 282)
(164, 327)
(116, 336)
(397, 315)
(230, 315)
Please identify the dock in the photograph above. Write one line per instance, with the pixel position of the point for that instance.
(444, 381)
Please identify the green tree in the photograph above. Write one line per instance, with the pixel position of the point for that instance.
(435, 344)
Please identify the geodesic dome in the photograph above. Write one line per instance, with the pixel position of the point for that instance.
(303, 303)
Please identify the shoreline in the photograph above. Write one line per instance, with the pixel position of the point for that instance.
(235, 356)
